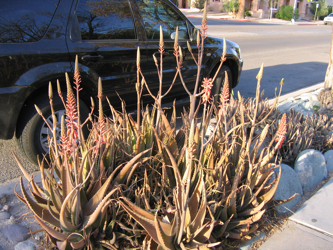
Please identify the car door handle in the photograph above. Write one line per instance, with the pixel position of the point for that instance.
(91, 58)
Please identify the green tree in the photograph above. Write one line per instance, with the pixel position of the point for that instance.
(285, 12)
(322, 10)
(199, 4)
(231, 6)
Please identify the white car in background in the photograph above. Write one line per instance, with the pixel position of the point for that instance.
(328, 19)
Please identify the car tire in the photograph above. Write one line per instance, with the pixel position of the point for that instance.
(219, 83)
(32, 131)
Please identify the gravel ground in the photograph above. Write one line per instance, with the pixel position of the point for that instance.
(8, 166)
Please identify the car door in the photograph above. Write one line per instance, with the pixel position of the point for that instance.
(156, 13)
(104, 35)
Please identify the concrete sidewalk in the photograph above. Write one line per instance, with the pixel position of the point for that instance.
(225, 16)
(310, 227)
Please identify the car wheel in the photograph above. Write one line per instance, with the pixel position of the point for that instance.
(32, 132)
(219, 83)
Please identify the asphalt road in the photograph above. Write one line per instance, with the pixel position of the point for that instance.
(299, 54)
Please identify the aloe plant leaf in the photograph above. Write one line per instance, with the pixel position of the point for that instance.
(197, 245)
(40, 200)
(165, 240)
(89, 220)
(25, 173)
(220, 232)
(78, 244)
(96, 186)
(235, 223)
(269, 195)
(194, 200)
(42, 175)
(254, 210)
(51, 209)
(172, 180)
(65, 224)
(203, 233)
(92, 204)
(145, 219)
(56, 199)
(19, 196)
(200, 216)
(37, 209)
(62, 245)
(52, 232)
(124, 171)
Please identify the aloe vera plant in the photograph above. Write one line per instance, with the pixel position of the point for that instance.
(218, 186)
(75, 204)
(142, 181)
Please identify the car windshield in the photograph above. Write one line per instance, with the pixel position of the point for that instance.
(330, 15)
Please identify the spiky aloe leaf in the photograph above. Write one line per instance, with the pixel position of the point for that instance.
(269, 194)
(56, 198)
(63, 245)
(165, 239)
(235, 223)
(203, 234)
(37, 209)
(67, 185)
(89, 220)
(25, 173)
(222, 230)
(146, 220)
(198, 211)
(65, 224)
(254, 210)
(125, 170)
(78, 244)
(52, 232)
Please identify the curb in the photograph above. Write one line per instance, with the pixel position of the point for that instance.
(298, 92)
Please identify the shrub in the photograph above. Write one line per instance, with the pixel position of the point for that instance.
(285, 12)
(322, 10)
(231, 6)
(247, 12)
(199, 4)
(142, 183)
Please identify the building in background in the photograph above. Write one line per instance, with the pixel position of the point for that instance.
(258, 8)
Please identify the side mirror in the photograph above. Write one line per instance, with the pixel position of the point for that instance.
(181, 35)
(193, 34)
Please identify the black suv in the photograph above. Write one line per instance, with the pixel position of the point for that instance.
(39, 41)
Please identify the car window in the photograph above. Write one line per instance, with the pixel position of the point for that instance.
(105, 19)
(25, 21)
(156, 13)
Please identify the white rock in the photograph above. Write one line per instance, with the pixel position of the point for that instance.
(317, 91)
(311, 105)
(286, 106)
(26, 245)
(310, 167)
(308, 97)
(288, 186)
(329, 160)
